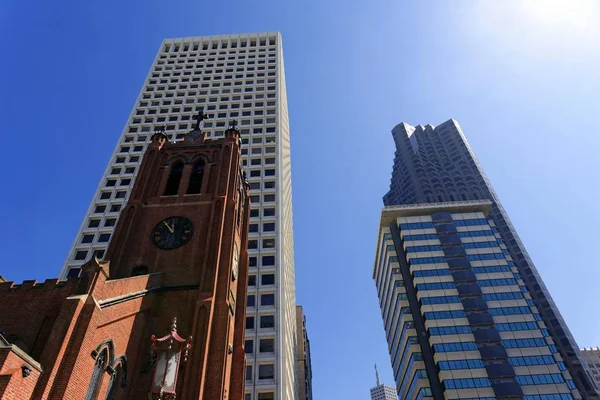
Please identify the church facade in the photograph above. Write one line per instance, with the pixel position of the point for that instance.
(163, 316)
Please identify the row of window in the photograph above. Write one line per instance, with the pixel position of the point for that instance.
(445, 314)
(475, 233)
(265, 372)
(541, 379)
(435, 286)
(266, 299)
(266, 261)
(266, 227)
(510, 311)
(470, 257)
(437, 247)
(523, 343)
(497, 282)
(503, 296)
(467, 383)
(460, 364)
(265, 322)
(266, 345)
(491, 269)
(266, 279)
(456, 346)
(470, 222)
(531, 360)
(440, 300)
(449, 330)
(516, 326)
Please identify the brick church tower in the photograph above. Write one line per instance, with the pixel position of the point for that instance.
(163, 316)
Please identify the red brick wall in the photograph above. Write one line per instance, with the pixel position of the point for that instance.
(13, 386)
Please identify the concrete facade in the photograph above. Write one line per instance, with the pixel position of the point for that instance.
(592, 358)
(241, 77)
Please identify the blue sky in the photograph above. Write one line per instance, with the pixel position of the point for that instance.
(521, 78)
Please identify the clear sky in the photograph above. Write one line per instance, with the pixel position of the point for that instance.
(521, 77)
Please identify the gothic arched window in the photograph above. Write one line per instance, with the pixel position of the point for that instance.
(117, 378)
(174, 179)
(96, 380)
(195, 183)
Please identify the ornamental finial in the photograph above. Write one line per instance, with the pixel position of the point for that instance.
(174, 325)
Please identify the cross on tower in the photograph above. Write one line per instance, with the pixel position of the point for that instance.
(199, 118)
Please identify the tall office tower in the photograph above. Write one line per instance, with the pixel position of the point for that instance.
(436, 164)
(231, 77)
(592, 358)
(381, 391)
(459, 320)
(303, 357)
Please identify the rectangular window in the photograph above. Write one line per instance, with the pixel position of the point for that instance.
(252, 280)
(110, 222)
(266, 396)
(266, 371)
(269, 227)
(94, 223)
(267, 321)
(249, 372)
(251, 300)
(81, 255)
(104, 237)
(120, 195)
(105, 196)
(267, 279)
(267, 345)
(115, 208)
(267, 299)
(269, 197)
(268, 260)
(249, 322)
(249, 346)
(268, 243)
(99, 209)
(87, 239)
(269, 212)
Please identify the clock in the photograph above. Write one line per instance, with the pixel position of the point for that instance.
(172, 233)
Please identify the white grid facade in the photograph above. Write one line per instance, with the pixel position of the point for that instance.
(231, 77)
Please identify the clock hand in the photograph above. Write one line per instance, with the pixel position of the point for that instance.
(168, 227)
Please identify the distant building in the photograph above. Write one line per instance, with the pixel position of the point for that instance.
(592, 357)
(303, 357)
(436, 165)
(382, 392)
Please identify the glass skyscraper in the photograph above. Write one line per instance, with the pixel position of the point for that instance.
(231, 77)
(434, 166)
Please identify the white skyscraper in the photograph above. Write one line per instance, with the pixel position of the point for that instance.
(381, 391)
(232, 77)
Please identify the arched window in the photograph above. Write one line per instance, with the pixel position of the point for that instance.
(96, 379)
(174, 179)
(118, 378)
(139, 270)
(196, 177)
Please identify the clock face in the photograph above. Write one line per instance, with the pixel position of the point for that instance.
(172, 233)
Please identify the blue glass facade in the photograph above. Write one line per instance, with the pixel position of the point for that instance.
(459, 319)
(436, 165)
